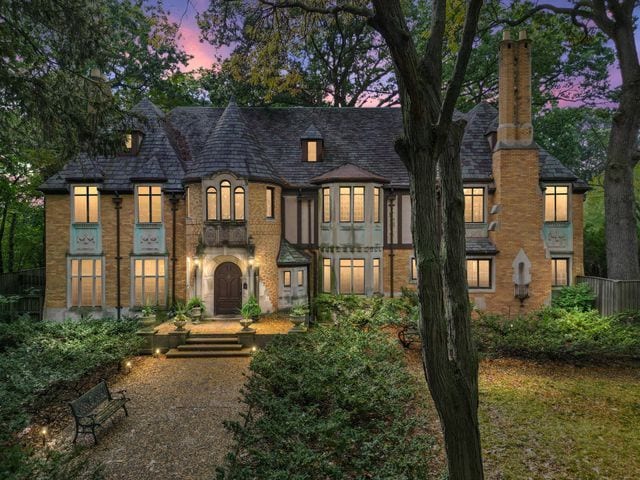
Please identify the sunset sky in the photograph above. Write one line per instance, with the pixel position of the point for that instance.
(184, 12)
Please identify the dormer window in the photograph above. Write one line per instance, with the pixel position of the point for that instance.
(312, 145)
(131, 143)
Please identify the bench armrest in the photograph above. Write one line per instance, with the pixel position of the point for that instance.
(122, 393)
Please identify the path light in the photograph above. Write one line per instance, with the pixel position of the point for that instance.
(44, 433)
(254, 349)
(128, 366)
(156, 353)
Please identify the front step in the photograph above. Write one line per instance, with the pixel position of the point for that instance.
(209, 347)
(201, 340)
(175, 353)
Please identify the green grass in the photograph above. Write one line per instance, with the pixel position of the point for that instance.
(559, 421)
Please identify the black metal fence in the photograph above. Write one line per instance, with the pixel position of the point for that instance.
(614, 296)
(23, 294)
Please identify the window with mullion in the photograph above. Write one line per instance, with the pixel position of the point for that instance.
(556, 203)
(270, 205)
(352, 276)
(85, 204)
(326, 204)
(479, 273)
(86, 282)
(474, 205)
(560, 272)
(149, 281)
(149, 204)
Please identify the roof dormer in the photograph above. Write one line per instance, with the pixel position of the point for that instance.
(131, 142)
(312, 145)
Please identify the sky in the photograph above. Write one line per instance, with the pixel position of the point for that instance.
(204, 54)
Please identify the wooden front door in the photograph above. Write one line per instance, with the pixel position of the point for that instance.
(227, 289)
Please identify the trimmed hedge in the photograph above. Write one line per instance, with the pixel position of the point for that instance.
(556, 333)
(336, 403)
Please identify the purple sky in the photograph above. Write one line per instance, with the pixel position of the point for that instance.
(184, 13)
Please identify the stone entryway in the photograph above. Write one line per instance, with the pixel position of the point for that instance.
(227, 289)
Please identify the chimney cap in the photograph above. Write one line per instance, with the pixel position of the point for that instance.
(506, 35)
(522, 35)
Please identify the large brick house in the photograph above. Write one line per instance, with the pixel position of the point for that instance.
(283, 203)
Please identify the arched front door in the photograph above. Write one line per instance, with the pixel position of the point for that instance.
(227, 289)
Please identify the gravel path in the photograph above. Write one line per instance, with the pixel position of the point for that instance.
(174, 429)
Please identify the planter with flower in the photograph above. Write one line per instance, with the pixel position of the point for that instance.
(196, 309)
(250, 312)
(298, 316)
(180, 316)
(147, 317)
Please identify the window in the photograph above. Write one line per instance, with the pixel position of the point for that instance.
(188, 201)
(212, 203)
(479, 273)
(270, 202)
(300, 278)
(238, 203)
(352, 276)
(326, 205)
(86, 282)
(85, 204)
(376, 204)
(131, 143)
(376, 275)
(560, 272)
(474, 205)
(326, 275)
(149, 281)
(149, 204)
(312, 151)
(556, 203)
(358, 204)
(225, 200)
(286, 278)
(345, 204)
(414, 270)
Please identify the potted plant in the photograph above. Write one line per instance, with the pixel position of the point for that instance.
(196, 308)
(298, 316)
(148, 316)
(180, 317)
(250, 312)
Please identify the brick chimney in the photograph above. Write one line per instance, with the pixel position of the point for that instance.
(514, 128)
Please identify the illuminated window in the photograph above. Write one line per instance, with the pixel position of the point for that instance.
(326, 205)
(312, 151)
(85, 204)
(560, 272)
(474, 205)
(413, 274)
(86, 282)
(376, 204)
(128, 142)
(479, 273)
(556, 203)
(300, 278)
(149, 281)
(225, 200)
(352, 276)
(376, 275)
(326, 275)
(238, 203)
(212, 203)
(286, 278)
(345, 204)
(149, 204)
(187, 200)
(270, 205)
(358, 204)
(131, 143)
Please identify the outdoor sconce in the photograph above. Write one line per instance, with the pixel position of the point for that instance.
(521, 276)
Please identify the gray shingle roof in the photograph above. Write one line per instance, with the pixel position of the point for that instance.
(312, 133)
(264, 144)
(347, 173)
(480, 245)
(290, 255)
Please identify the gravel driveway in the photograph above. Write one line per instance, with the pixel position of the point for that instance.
(174, 429)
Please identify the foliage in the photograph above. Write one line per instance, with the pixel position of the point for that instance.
(251, 308)
(337, 402)
(37, 361)
(300, 310)
(559, 334)
(148, 310)
(196, 302)
(575, 297)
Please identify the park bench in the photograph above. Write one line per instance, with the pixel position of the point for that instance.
(408, 334)
(93, 408)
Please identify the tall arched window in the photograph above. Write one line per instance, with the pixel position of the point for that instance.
(212, 203)
(225, 200)
(238, 199)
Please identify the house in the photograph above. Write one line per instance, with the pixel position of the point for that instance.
(283, 203)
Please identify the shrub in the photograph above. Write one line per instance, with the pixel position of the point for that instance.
(559, 334)
(335, 403)
(575, 297)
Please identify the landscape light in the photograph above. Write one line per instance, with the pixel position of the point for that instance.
(157, 353)
(44, 432)
(254, 349)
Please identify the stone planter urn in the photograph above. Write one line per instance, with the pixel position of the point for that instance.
(147, 321)
(298, 323)
(196, 314)
(246, 323)
(180, 322)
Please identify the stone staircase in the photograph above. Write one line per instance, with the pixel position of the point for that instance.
(210, 345)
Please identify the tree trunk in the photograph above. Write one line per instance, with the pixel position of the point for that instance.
(11, 244)
(3, 223)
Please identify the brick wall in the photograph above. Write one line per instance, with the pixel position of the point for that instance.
(401, 269)
(57, 220)
(577, 204)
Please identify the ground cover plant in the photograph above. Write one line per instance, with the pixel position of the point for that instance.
(41, 363)
(336, 403)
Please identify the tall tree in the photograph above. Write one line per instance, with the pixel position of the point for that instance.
(615, 19)
(430, 143)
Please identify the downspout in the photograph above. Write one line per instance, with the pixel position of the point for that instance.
(391, 229)
(174, 208)
(117, 202)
